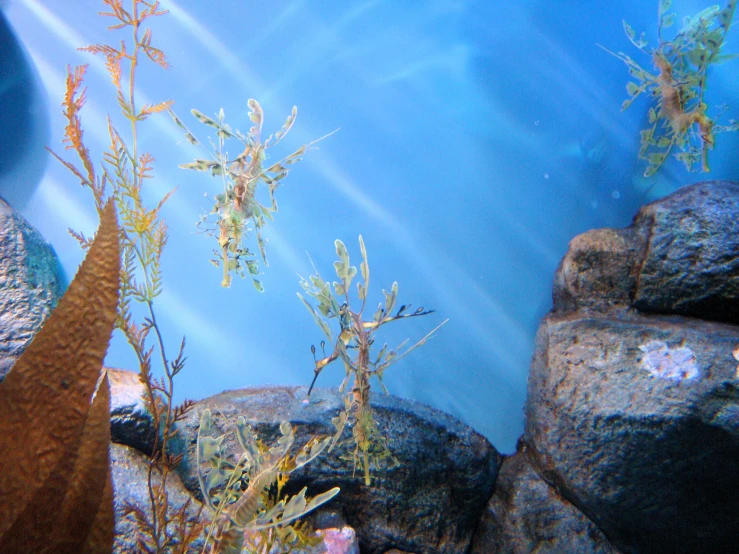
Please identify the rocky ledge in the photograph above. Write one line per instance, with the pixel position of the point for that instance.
(631, 441)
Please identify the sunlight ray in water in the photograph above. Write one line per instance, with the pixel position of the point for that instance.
(56, 25)
(238, 70)
(71, 212)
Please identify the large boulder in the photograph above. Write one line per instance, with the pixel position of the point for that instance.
(636, 421)
(632, 411)
(430, 502)
(526, 515)
(680, 256)
(690, 265)
(129, 470)
(31, 284)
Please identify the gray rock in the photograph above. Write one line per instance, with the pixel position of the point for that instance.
(526, 514)
(691, 263)
(431, 502)
(131, 423)
(636, 421)
(595, 273)
(129, 470)
(31, 284)
(680, 256)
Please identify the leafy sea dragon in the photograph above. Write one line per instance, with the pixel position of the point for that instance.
(237, 205)
(248, 512)
(357, 334)
(682, 64)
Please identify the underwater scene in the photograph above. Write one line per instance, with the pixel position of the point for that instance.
(436, 261)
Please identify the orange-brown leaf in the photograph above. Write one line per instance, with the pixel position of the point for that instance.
(45, 402)
(147, 110)
(74, 99)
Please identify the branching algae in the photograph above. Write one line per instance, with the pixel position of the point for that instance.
(357, 334)
(246, 495)
(679, 116)
(143, 235)
(237, 205)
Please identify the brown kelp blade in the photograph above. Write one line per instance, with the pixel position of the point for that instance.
(45, 403)
(88, 480)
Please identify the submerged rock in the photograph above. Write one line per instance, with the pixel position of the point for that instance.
(632, 411)
(430, 502)
(526, 514)
(130, 422)
(680, 256)
(31, 284)
(650, 456)
(129, 469)
(690, 264)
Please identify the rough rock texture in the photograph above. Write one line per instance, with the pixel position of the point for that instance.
(31, 284)
(130, 422)
(129, 469)
(596, 272)
(691, 263)
(651, 458)
(526, 514)
(431, 502)
(632, 411)
(681, 256)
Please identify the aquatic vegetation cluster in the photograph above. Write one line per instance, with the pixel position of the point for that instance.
(357, 334)
(679, 116)
(143, 235)
(237, 206)
(246, 494)
(244, 501)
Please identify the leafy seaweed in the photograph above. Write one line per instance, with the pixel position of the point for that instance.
(142, 236)
(55, 481)
(237, 207)
(678, 117)
(357, 334)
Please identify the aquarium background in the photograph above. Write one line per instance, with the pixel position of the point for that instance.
(476, 138)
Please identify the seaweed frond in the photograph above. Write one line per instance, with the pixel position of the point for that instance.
(142, 236)
(357, 334)
(55, 481)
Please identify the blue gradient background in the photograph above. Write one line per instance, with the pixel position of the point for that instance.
(476, 139)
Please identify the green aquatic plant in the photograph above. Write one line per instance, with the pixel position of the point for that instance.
(358, 335)
(143, 235)
(679, 115)
(237, 206)
(55, 484)
(246, 496)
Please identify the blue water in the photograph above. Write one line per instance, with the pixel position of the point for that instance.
(476, 139)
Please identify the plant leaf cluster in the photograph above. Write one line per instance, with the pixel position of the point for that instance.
(237, 210)
(678, 117)
(352, 344)
(143, 235)
(246, 494)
